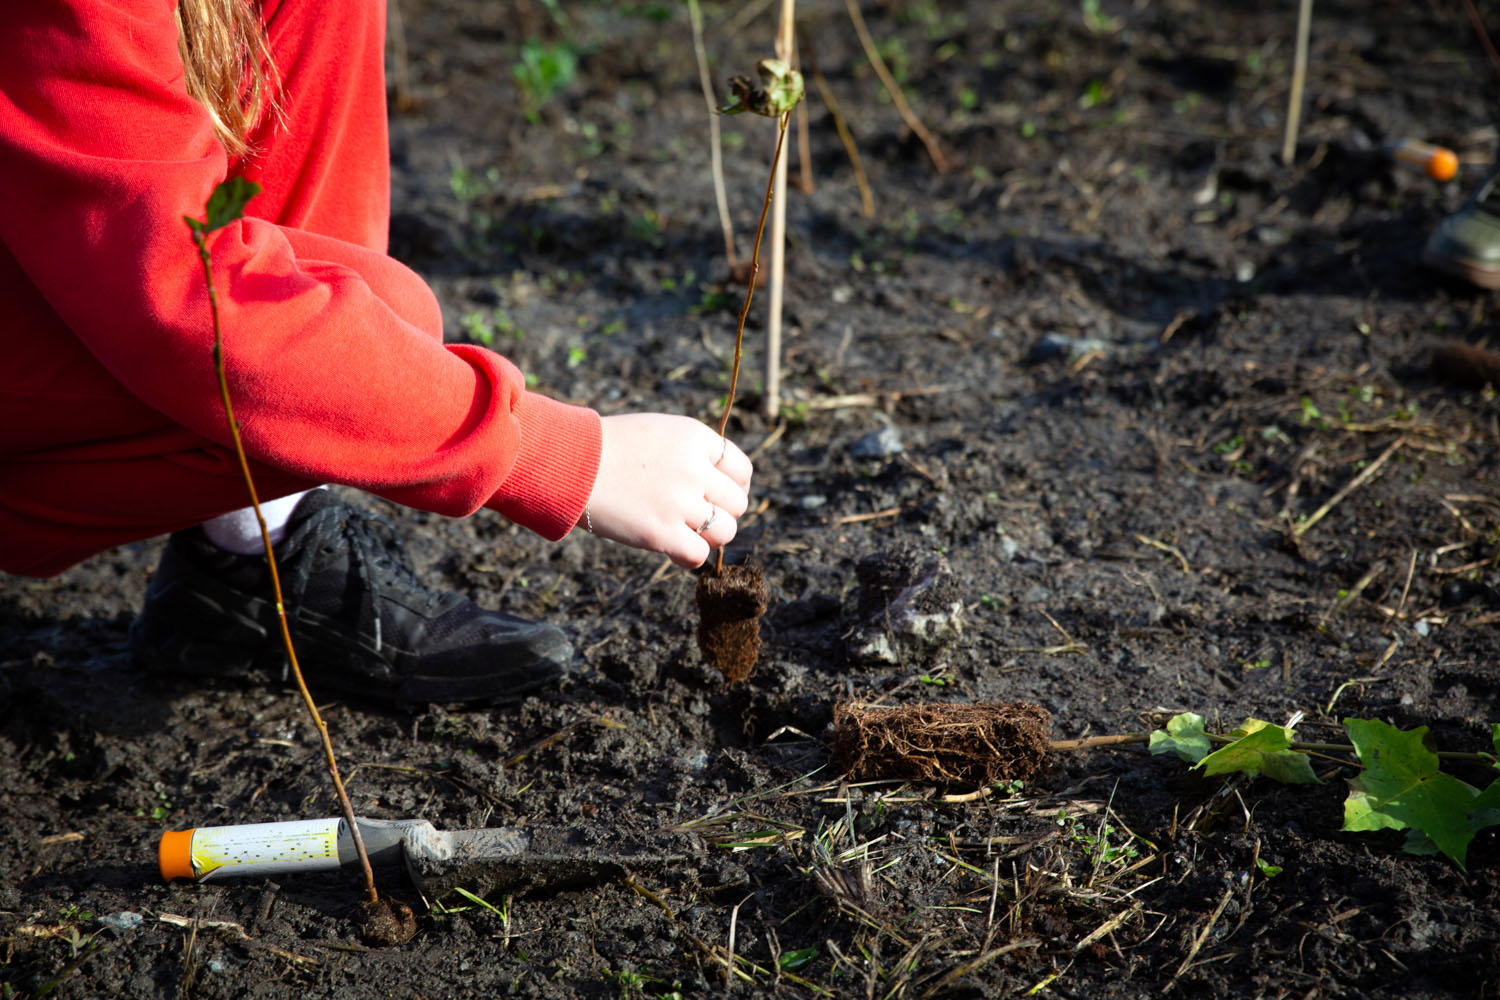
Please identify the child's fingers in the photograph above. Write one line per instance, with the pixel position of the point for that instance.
(691, 553)
(727, 495)
(734, 463)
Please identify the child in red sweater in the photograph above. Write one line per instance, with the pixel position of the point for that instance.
(114, 124)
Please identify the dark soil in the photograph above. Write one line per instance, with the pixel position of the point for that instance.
(1109, 367)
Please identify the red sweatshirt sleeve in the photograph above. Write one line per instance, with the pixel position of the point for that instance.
(334, 353)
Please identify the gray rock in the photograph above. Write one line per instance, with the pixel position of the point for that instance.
(120, 923)
(878, 444)
(1057, 345)
(909, 607)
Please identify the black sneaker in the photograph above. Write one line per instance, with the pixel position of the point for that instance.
(361, 622)
(1467, 243)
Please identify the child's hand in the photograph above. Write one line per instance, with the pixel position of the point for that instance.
(661, 479)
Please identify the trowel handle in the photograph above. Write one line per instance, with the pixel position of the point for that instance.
(256, 849)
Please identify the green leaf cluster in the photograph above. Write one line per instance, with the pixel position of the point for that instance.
(1401, 786)
(778, 92)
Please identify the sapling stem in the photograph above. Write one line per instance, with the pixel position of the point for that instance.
(777, 97)
(1125, 739)
(219, 215)
(739, 332)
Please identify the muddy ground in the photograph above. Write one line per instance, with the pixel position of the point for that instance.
(1108, 366)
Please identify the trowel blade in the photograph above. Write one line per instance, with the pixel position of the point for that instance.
(519, 860)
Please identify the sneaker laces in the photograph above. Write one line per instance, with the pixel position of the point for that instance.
(376, 554)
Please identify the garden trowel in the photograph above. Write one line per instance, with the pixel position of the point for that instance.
(485, 862)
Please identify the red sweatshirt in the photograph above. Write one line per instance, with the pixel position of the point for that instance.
(334, 351)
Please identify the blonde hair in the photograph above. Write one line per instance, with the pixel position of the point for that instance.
(228, 66)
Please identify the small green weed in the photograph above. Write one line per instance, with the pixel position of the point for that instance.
(542, 71)
(1095, 20)
(487, 327)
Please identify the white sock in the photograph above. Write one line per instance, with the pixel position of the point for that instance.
(239, 531)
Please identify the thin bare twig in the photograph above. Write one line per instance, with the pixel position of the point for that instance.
(894, 89)
(1484, 36)
(866, 199)
(1364, 476)
(695, 15)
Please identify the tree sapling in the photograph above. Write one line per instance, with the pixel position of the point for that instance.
(382, 920)
(731, 599)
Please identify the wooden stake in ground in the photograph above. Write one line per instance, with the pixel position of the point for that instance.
(1299, 78)
(771, 406)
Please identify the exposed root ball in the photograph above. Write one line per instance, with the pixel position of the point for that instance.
(729, 608)
(384, 924)
(966, 744)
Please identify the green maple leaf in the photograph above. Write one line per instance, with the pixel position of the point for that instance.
(1183, 736)
(1485, 809)
(1402, 788)
(1265, 749)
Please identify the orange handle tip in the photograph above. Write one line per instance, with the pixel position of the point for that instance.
(1437, 162)
(174, 854)
(1442, 165)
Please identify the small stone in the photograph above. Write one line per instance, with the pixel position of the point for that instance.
(125, 920)
(1058, 345)
(909, 607)
(878, 444)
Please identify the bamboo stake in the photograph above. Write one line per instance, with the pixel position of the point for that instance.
(785, 46)
(1299, 78)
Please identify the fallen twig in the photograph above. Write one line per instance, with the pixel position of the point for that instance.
(1363, 477)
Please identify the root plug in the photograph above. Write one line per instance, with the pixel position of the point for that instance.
(730, 602)
(976, 744)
